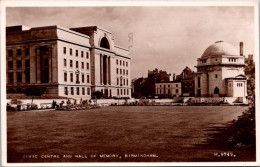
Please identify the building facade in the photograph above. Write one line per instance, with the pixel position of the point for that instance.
(170, 89)
(221, 72)
(66, 62)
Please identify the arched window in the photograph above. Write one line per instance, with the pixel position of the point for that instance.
(216, 90)
(104, 43)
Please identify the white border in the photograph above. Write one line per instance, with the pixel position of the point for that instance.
(69, 3)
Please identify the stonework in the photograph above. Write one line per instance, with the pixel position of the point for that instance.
(220, 72)
(67, 62)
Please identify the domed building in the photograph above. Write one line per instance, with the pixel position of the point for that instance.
(220, 72)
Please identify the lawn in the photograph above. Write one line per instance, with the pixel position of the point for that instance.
(110, 134)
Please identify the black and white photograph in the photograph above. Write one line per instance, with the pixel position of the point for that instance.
(151, 83)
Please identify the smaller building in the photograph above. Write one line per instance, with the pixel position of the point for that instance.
(171, 89)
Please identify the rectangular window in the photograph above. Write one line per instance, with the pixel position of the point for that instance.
(88, 91)
(77, 90)
(11, 77)
(83, 91)
(123, 63)
(120, 71)
(87, 66)
(19, 64)
(177, 90)
(117, 70)
(10, 64)
(82, 78)
(126, 64)
(64, 62)
(77, 64)
(87, 78)
(10, 53)
(71, 77)
(126, 72)
(77, 78)
(19, 77)
(176, 85)
(71, 63)
(216, 75)
(116, 61)
(65, 76)
(27, 63)
(27, 52)
(82, 55)
(127, 82)
(118, 92)
(87, 55)
(117, 81)
(66, 91)
(70, 51)
(18, 52)
(64, 50)
(82, 65)
(72, 90)
(198, 82)
(77, 53)
(27, 76)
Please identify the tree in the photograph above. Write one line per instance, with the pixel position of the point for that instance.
(33, 91)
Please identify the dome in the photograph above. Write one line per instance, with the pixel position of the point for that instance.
(220, 48)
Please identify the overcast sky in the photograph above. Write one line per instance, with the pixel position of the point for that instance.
(167, 38)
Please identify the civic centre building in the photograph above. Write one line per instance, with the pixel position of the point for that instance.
(64, 62)
(221, 72)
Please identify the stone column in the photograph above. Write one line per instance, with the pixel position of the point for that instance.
(101, 69)
(38, 65)
(50, 64)
(107, 70)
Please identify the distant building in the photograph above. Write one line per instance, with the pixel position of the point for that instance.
(67, 62)
(170, 89)
(221, 72)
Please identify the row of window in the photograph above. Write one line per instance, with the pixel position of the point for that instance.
(83, 92)
(122, 71)
(76, 53)
(76, 64)
(176, 85)
(120, 62)
(18, 64)
(161, 91)
(122, 92)
(122, 82)
(233, 59)
(77, 78)
(19, 77)
(239, 84)
(10, 52)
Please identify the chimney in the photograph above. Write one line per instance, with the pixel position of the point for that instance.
(241, 48)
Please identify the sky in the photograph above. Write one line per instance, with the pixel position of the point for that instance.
(167, 38)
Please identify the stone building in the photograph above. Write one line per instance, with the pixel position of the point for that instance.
(67, 62)
(220, 72)
(170, 89)
(250, 66)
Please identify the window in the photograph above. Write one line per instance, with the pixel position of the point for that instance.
(88, 91)
(82, 78)
(117, 81)
(46, 62)
(82, 55)
(120, 71)
(123, 63)
(198, 82)
(72, 91)
(116, 61)
(70, 51)
(117, 91)
(71, 77)
(27, 52)
(87, 55)
(127, 82)
(27, 76)
(71, 63)
(66, 91)
(82, 65)
(10, 53)
(126, 64)
(10, 64)
(121, 91)
(19, 52)
(64, 62)
(77, 90)
(117, 70)
(87, 78)
(120, 62)
(124, 91)
(126, 72)
(177, 90)
(11, 77)
(216, 59)
(77, 64)
(27, 63)
(65, 76)
(77, 78)
(216, 75)
(127, 91)
(19, 77)
(19, 64)
(176, 85)
(124, 82)
(83, 91)
(87, 66)
(64, 50)
(77, 53)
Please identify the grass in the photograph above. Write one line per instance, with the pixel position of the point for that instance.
(173, 133)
